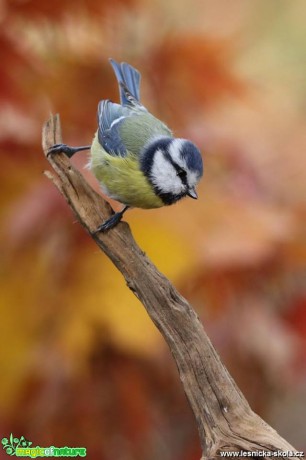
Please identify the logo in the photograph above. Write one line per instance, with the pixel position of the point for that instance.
(23, 448)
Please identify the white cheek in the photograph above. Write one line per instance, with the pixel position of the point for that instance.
(163, 175)
(193, 179)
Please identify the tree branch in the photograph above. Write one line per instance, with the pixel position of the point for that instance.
(224, 418)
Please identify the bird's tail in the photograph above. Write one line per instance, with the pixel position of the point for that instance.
(128, 79)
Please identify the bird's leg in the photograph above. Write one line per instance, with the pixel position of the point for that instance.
(69, 151)
(112, 221)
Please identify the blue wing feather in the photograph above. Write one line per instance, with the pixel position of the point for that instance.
(110, 117)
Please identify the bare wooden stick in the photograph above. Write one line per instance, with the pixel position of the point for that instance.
(224, 418)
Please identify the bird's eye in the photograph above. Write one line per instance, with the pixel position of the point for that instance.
(182, 174)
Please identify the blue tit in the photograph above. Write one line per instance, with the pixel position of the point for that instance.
(135, 156)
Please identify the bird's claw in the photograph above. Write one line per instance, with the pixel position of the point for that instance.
(109, 223)
(59, 148)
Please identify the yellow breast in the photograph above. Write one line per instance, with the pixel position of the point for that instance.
(121, 178)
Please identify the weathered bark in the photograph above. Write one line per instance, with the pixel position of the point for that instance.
(224, 418)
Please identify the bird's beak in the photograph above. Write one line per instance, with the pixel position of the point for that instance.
(192, 193)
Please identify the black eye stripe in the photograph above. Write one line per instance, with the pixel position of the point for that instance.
(182, 174)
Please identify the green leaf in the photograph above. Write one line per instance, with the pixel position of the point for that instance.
(11, 438)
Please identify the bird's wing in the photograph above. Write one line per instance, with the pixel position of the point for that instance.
(110, 117)
(125, 130)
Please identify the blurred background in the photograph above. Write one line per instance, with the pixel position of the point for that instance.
(81, 363)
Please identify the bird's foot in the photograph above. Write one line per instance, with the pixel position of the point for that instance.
(66, 149)
(110, 223)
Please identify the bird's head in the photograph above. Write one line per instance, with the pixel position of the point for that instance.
(173, 167)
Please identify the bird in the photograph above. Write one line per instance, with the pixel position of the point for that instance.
(135, 156)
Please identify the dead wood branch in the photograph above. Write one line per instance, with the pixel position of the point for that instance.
(224, 418)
